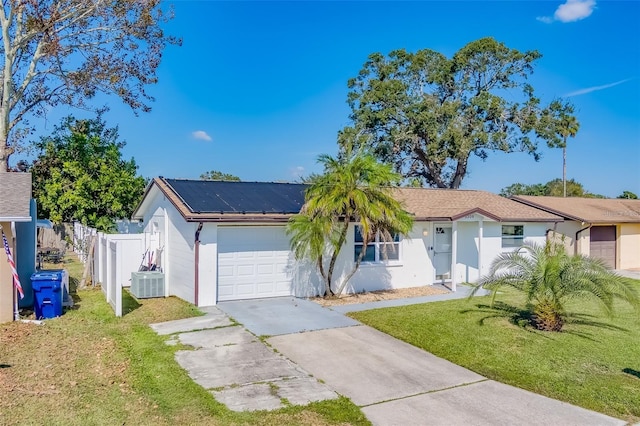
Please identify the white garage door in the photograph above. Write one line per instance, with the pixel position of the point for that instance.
(253, 262)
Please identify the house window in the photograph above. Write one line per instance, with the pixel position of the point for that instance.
(378, 250)
(512, 236)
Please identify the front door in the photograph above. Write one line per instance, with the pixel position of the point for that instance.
(442, 252)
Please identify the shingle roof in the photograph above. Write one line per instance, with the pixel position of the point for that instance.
(453, 204)
(15, 196)
(198, 200)
(588, 210)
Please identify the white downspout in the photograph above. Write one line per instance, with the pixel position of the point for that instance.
(166, 253)
(480, 237)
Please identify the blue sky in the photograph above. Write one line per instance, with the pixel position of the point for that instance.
(258, 89)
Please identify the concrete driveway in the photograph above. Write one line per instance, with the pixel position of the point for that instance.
(395, 383)
(629, 273)
(283, 315)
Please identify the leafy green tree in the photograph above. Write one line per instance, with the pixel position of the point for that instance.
(523, 189)
(549, 278)
(428, 114)
(353, 188)
(628, 195)
(63, 52)
(570, 188)
(79, 174)
(217, 175)
(553, 188)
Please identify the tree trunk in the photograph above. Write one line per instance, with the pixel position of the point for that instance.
(327, 289)
(4, 156)
(547, 318)
(5, 150)
(460, 173)
(336, 252)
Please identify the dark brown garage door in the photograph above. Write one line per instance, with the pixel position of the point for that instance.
(603, 244)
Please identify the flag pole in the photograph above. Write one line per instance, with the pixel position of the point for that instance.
(16, 311)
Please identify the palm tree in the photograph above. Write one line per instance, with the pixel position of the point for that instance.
(353, 188)
(549, 277)
(569, 128)
(565, 125)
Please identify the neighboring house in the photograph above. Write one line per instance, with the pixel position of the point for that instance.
(608, 229)
(227, 241)
(16, 211)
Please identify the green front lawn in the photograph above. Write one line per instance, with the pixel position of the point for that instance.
(90, 368)
(594, 362)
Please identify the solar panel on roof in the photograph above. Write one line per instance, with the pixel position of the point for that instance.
(203, 196)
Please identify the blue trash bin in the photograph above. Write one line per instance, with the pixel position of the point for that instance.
(47, 289)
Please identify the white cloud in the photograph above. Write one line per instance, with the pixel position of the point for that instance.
(594, 88)
(201, 135)
(570, 11)
(574, 10)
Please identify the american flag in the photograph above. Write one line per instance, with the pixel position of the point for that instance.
(16, 280)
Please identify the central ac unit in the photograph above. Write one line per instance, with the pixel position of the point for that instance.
(147, 284)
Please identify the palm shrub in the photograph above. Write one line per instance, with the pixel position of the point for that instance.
(549, 277)
(354, 188)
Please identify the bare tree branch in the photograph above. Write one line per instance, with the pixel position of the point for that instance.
(66, 51)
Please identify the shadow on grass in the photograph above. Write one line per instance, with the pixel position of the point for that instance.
(522, 317)
(585, 320)
(631, 372)
(5, 365)
(515, 315)
(129, 303)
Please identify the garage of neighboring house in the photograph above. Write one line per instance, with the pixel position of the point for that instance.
(252, 262)
(604, 228)
(602, 244)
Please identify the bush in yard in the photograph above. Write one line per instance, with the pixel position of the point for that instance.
(549, 277)
(353, 188)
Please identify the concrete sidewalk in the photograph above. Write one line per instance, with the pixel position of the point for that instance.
(395, 383)
(462, 292)
(237, 368)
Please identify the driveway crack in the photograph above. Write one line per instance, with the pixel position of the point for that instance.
(424, 393)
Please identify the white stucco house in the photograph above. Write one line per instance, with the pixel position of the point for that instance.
(226, 240)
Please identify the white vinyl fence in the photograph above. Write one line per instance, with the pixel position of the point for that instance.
(114, 257)
(111, 288)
